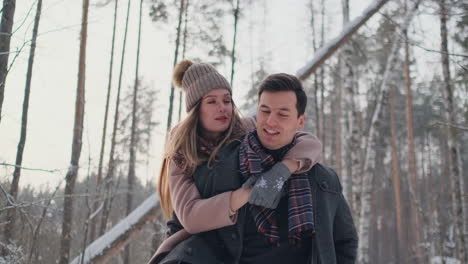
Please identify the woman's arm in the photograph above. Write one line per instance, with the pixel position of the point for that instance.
(306, 153)
(200, 215)
(303, 156)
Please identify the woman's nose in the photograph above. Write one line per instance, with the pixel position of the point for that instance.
(221, 108)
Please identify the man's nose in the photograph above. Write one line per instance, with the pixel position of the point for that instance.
(271, 120)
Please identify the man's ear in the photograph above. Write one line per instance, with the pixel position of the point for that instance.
(301, 122)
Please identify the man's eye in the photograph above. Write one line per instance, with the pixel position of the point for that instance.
(210, 102)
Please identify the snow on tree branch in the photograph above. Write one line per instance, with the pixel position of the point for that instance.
(326, 51)
(111, 242)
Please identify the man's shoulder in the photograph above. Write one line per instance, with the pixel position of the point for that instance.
(325, 177)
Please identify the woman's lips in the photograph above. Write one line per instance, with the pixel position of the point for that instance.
(221, 118)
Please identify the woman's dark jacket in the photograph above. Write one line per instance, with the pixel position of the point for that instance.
(335, 239)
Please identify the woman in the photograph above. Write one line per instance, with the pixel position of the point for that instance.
(213, 122)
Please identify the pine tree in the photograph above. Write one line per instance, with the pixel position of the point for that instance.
(112, 159)
(6, 25)
(11, 214)
(77, 143)
(95, 205)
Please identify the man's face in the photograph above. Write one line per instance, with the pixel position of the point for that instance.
(277, 120)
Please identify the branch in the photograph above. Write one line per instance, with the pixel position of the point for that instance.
(333, 45)
(24, 168)
(41, 201)
(463, 67)
(25, 18)
(10, 200)
(38, 227)
(412, 43)
(449, 124)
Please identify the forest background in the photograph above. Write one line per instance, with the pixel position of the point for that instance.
(390, 106)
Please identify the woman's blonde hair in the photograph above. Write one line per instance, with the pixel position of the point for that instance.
(183, 141)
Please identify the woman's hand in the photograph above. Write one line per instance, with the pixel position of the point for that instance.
(239, 198)
(293, 165)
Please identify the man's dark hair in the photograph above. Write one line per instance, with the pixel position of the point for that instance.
(283, 82)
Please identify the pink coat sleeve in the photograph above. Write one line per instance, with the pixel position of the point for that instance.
(308, 151)
(195, 214)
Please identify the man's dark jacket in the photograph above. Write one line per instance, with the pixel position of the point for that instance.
(334, 241)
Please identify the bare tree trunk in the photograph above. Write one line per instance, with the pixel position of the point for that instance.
(233, 52)
(351, 141)
(339, 129)
(92, 232)
(11, 214)
(412, 165)
(111, 166)
(316, 76)
(399, 250)
(184, 46)
(8, 12)
(369, 158)
(89, 211)
(430, 217)
(322, 136)
(458, 200)
(176, 57)
(77, 143)
(133, 141)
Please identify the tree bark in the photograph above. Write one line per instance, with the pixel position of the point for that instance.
(399, 250)
(184, 46)
(458, 199)
(369, 158)
(95, 206)
(133, 141)
(11, 214)
(316, 75)
(339, 129)
(6, 25)
(77, 143)
(176, 55)
(233, 52)
(351, 141)
(322, 136)
(412, 165)
(111, 165)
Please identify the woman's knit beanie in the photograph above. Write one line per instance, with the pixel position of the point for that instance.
(196, 79)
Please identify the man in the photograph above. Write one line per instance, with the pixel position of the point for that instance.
(310, 222)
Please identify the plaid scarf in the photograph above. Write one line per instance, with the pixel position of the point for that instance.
(254, 160)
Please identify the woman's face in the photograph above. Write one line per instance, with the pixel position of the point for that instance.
(215, 113)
